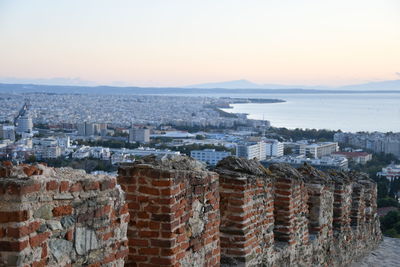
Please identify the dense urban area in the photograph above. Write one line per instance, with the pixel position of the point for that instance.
(97, 133)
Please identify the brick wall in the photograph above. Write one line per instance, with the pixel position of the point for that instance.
(281, 216)
(174, 208)
(180, 214)
(320, 217)
(60, 217)
(247, 217)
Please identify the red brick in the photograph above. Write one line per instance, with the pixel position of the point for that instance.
(149, 251)
(2, 232)
(148, 234)
(162, 261)
(38, 239)
(138, 242)
(76, 187)
(62, 210)
(136, 258)
(149, 190)
(122, 254)
(92, 186)
(52, 185)
(13, 216)
(13, 245)
(162, 243)
(31, 170)
(69, 235)
(41, 263)
(107, 236)
(4, 172)
(123, 209)
(154, 225)
(169, 251)
(22, 189)
(7, 163)
(64, 185)
(161, 183)
(44, 250)
(22, 231)
(108, 184)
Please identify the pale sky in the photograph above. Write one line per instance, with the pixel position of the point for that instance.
(183, 42)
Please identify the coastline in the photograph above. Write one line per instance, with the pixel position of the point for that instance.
(223, 113)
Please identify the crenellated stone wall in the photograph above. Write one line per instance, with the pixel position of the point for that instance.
(319, 219)
(174, 209)
(177, 213)
(247, 213)
(60, 217)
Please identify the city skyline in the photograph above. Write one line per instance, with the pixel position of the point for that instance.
(180, 43)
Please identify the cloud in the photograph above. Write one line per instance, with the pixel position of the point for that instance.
(397, 73)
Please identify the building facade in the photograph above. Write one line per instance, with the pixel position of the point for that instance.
(319, 150)
(390, 172)
(273, 148)
(139, 134)
(357, 157)
(209, 156)
(24, 124)
(251, 150)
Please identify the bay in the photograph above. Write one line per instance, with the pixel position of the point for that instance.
(344, 111)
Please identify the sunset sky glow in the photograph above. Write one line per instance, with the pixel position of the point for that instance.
(183, 42)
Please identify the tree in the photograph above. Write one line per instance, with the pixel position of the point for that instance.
(200, 137)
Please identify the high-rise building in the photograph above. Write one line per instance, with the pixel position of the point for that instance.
(89, 129)
(24, 124)
(8, 132)
(86, 128)
(251, 150)
(273, 148)
(139, 134)
(81, 129)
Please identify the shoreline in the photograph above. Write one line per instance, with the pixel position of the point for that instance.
(223, 113)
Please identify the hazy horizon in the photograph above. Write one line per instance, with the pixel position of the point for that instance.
(186, 42)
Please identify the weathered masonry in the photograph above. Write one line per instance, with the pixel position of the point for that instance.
(60, 217)
(171, 211)
(174, 208)
(245, 215)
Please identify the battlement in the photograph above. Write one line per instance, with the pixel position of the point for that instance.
(175, 212)
(60, 217)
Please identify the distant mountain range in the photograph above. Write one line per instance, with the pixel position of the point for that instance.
(245, 84)
(224, 88)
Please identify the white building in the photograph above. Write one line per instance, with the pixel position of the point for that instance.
(144, 151)
(141, 135)
(251, 150)
(86, 129)
(81, 153)
(51, 152)
(8, 132)
(390, 172)
(325, 162)
(64, 142)
(121, 158)
(274, 148)
(100, 153)
(209, 156)
(24, 124)
(319, 150)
